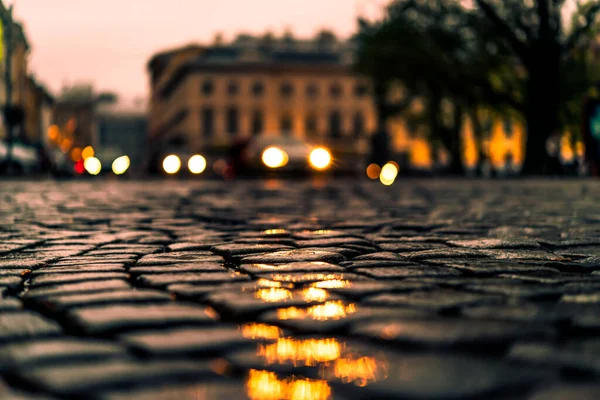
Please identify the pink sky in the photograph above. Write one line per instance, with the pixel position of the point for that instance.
(110, 41)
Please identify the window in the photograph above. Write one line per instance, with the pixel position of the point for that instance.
(335, 124)
(258, 89)
(208, 122)
(208, 88)
(312, 90)
(232, 120)
(361, 90)
(233, 88)
(257, 122)
(286, 90)
(286, 124)
(335, 90)
(311, 125)
(358, 124)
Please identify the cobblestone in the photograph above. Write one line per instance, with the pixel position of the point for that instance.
(287, 290)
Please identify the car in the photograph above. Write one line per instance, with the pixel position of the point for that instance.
(282, 154)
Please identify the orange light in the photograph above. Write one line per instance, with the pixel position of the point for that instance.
(373, 171)
(255, 330)
(53, 132)
(76, 154)
(88, 152)
(65, 145)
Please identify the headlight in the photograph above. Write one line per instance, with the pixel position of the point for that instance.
(197, 164)
(274, 157)
(171, 164)
(121, 165)
(92, 165)
(320, 158)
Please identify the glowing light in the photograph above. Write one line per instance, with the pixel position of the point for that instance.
(307, 352)
(274, 157)
(265, 385)
(275, 232)
(360, 371)
(254, 330)
(320, 158)
(76, 154)
(121, 165)
(373, 171)
(388, 174)
(420, 154)
(273, 295)
(92, 165)
(79, 168)
(197, 164)
(268, 283)
(65, 145)
(321, 312)
(312, 294)
(171, 164)
(332, 284)
(88, 152)
(580, 149)
(53, 132)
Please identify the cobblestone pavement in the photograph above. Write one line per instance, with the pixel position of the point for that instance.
(300, 290)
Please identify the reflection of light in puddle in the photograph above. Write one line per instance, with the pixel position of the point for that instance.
(360, 370)
(268, 283)
(332, 284)
(273, 295)
(306, 277)
(275, 232)
(260, 331)
(277, 294)
(325, 311)
(306, 352)
(314, 294)
(265, 385)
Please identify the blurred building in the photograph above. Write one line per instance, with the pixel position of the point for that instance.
(203, 97)
(121, 128)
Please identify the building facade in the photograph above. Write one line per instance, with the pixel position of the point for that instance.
(203, 98)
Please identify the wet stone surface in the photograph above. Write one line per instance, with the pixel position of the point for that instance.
(280, 290)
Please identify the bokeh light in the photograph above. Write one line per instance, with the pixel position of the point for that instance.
(197, 164)
(171, 164)
(388, 174)
(121, 165)
(373, 171)
(92, 165)
(320, 158)
(76, 154)
(88, 152)
(274, 157)
(79, 168)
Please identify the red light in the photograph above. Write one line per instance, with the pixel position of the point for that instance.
(79, 168)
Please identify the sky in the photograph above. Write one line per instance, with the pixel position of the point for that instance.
(109, 42)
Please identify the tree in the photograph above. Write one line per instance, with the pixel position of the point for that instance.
(519, 55)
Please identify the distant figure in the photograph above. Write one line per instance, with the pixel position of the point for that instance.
(380, 148)
(237, 154)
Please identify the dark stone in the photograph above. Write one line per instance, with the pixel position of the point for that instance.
(26, 325)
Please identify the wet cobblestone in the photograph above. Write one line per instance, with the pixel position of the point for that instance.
(300, 290)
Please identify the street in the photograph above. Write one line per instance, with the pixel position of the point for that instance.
(273, 289)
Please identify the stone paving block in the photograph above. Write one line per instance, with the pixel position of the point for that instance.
(186, 341)
(24, 325)
(310, 266)
(539, 353)
(382, 255)
(176, 257)
(237, 249)
(208, 266)
(440, 300)
(50, 351)
(207, 278)
(289, 256)
(208, 390)
(9, 304)
(311, 277)
(568, 391)
(79, 269)
(65, 278)
(495, 243)
(75, 288)
(81, 379)
(401, 272)
(65, 302)
(118, 318)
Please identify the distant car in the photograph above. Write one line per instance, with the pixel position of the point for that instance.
(283, 154)
(25, 158)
